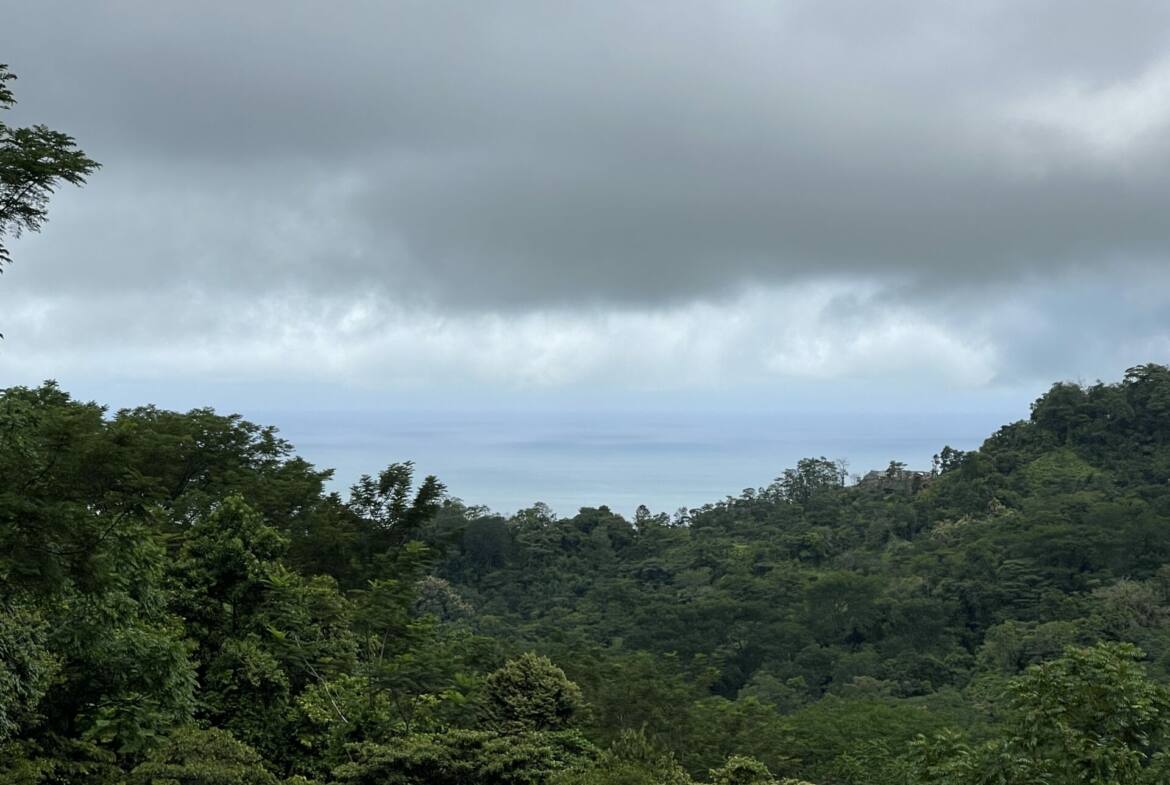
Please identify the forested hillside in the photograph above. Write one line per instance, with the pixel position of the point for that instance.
(186, 601)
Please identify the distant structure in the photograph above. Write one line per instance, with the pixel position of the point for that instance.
(897, 478)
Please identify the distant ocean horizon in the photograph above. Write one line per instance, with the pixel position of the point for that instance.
(509, 460)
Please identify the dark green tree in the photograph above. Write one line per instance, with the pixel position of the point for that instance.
(742, 770)
(1092, 716)
(632, 759)
(462, 757)
(531, 693)
(810, 477)
(202, 757)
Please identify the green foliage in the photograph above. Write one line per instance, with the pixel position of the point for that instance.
(387, 502)
(810, 478)
(59, 761)
(742, 770)
(530, 693)
(222, 572)
(202, 757)
(980, 625)
(632, 759)
(461, 757)
(26, 665)
(1091, 716)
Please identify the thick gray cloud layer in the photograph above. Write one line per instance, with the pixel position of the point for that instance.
(964, 175)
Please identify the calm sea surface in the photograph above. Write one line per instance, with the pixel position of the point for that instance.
(509, 459)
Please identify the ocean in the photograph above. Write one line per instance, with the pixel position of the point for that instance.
(510, 459)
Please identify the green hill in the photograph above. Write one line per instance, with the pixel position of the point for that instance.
(183, 601)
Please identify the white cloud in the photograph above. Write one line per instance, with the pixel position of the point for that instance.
(795, 333)
(592, 196)
(1107, 118)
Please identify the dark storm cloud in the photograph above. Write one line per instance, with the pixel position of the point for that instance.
(512, 154)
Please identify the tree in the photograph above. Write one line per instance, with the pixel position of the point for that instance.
(810, 477)
(1092, 716)
(391, 511)
(202, 757)
(631, 760)
(224, 568)
(148, 581)
(82, 572)
(26, 665)
(742, 770)
(947, 459)
(34, 161)
(465, 757)
(531, 693)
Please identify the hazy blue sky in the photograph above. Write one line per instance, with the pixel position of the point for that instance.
(591, 252)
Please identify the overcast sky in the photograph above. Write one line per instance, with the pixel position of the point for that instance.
(706, 206)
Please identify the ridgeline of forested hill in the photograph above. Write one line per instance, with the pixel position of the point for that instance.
(183, 601)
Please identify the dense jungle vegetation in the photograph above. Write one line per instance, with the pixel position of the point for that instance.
(184, 600)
